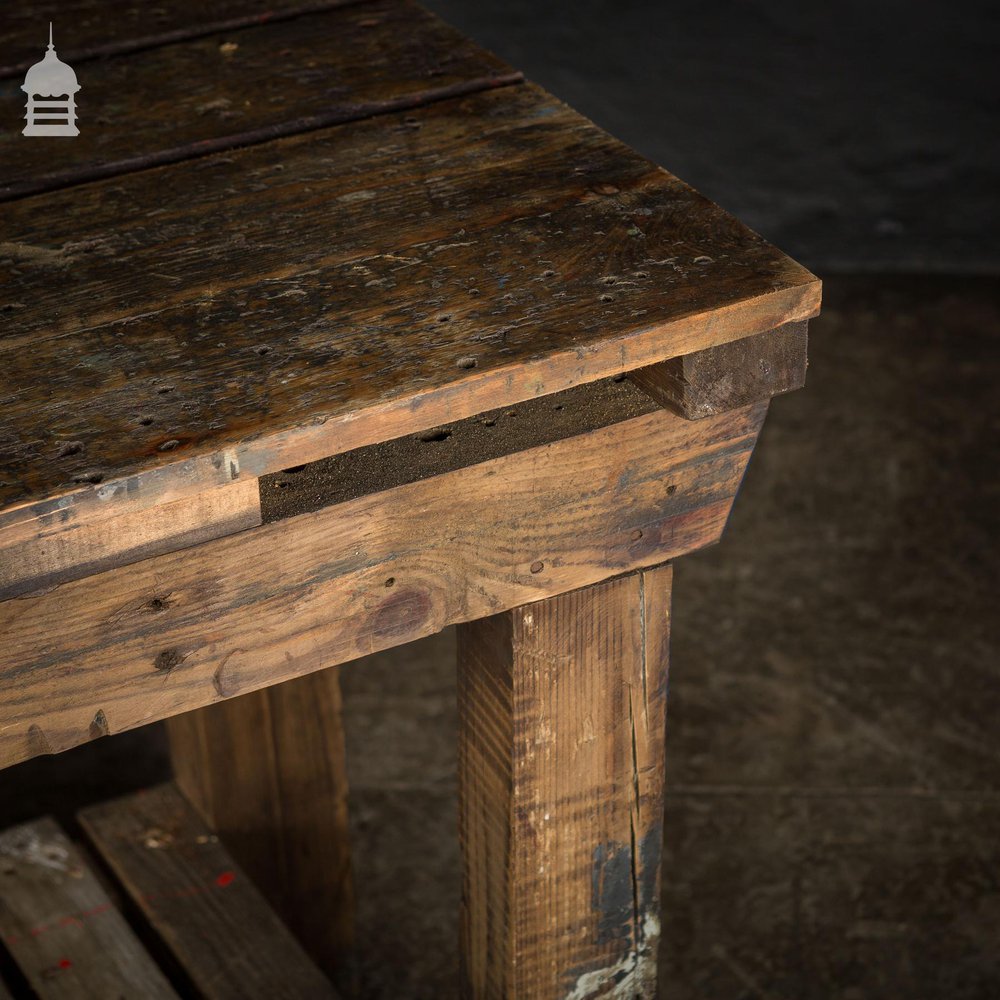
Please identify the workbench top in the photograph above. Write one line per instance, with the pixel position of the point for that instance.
(280, 238)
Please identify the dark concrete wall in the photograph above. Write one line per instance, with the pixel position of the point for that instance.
(853, 134)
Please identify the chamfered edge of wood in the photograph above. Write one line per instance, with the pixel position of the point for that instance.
(482, 389)
(737, 373)
(180, 631)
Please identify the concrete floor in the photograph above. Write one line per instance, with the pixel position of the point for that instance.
(833, 813)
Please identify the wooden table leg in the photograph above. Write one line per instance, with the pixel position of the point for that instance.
(562, 712)
(267, 771)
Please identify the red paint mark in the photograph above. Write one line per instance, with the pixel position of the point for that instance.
(225, 879)
(69, 921)
(65, 963)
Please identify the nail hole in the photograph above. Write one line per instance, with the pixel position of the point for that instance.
(169, 445)
(164, 389)
(636, 535)
(671, 490)
(429, 436)
(466, 362)
(607, 298)
(390, 582)
(264, 349)
(445, 318)
(474, 292)
(145, 421)
(609, 279)
(537, 567)
(68, 448)
(91, 477)
(548, 274)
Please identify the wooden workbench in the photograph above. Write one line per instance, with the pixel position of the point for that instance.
(327, 332)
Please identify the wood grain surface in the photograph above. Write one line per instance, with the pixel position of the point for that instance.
(562, 709)
(185, 100)
(179, 631)
(83, 29)
(267, 771)
(65, 934)
(741, 372)
(199, 900)
(296, 299)
(43, 553)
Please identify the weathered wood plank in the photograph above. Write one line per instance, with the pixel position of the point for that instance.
(38, 554)
(57, 921)
(749, 370)
(209, 913)
(58, 547)
(562, 709)
(292, 597)
(381, 279)
(85, 31)
(248, 85)
(267, 771)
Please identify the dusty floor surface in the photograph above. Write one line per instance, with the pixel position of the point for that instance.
(833, 813)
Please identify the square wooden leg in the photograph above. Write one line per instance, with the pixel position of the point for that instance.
(267, 772)
(562, 713)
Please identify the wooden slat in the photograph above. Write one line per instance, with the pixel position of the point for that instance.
(358, 284)
(209, 913)
(721, 378)
(292, 597)
(56, 548)
(57, 921)
(267, 771)
(562, 706)
(243, 86)
(84, 30)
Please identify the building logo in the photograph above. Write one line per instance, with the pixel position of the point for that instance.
(51, 88)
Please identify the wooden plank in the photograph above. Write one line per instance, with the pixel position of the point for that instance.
(57, 547)
(248, 85)
(362, 283)
(292, 597)
(85, 31)
(58, 923)
(267, 771)
(749, 370)
(203, 905)
(562, 708)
